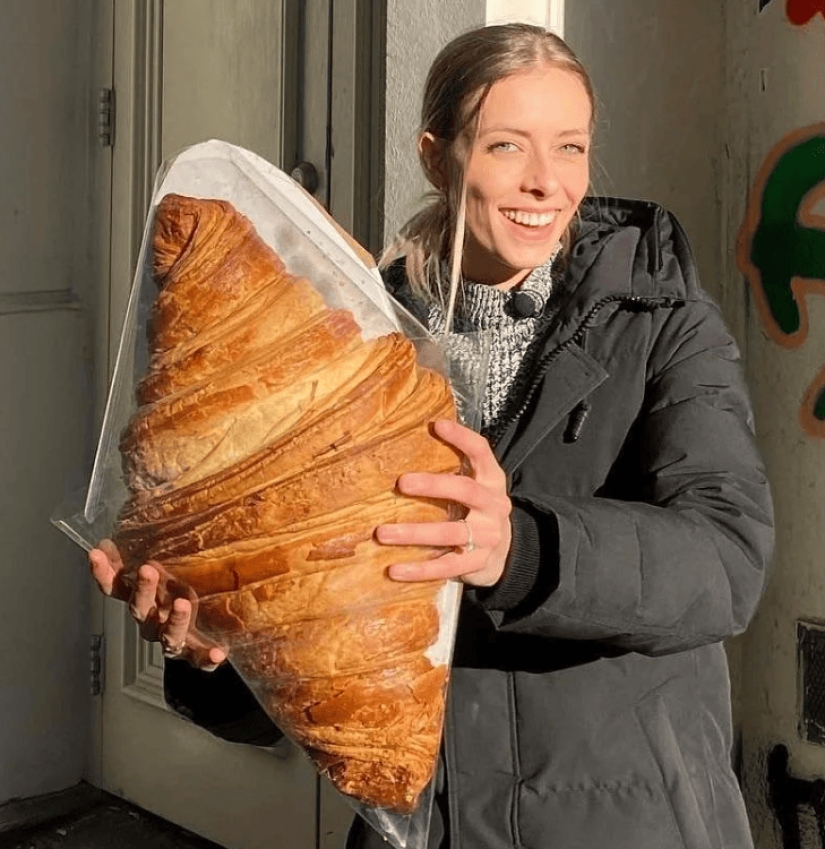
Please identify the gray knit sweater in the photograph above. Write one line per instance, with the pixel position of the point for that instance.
(485, 308)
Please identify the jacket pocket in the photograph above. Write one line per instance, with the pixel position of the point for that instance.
(653, 717)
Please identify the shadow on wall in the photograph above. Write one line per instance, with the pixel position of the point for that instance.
(789, 796)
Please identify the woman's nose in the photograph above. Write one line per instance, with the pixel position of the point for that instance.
(540, 177)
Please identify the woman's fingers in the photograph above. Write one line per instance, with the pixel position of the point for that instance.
(479, 549)
(472, 567)
(205, 657)
(476, 449)
(112, 552)
(175, 629)
(438, 534)
(159, 620)
(473, 558)
(481, 541)
(102, 571)
(214, 658)
(473, 490)
(179, 642)
(143, 601)
(107, 570)
(458, 488)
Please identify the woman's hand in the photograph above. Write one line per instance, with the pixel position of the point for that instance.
(481, 539)
(160, 620)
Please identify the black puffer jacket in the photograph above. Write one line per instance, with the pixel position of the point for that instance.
(589, 703)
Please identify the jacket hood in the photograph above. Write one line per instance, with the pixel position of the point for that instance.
(643, 245)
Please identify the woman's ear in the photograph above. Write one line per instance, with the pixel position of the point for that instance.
(431, 152)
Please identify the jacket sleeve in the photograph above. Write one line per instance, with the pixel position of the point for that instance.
(684, 562)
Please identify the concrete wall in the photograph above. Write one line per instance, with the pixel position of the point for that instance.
(416, 31)
(659, 109)
(776, 86)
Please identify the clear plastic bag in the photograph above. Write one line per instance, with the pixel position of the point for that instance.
(312, 247)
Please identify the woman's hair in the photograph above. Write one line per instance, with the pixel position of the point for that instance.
(458, 82)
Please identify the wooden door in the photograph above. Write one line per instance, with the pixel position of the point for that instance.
(255, 73)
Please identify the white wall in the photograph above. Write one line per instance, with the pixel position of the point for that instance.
(537, 12)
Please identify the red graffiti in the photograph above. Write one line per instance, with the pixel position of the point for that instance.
(801, 11)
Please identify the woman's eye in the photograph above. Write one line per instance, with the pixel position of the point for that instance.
(505, 146)
(574, 148)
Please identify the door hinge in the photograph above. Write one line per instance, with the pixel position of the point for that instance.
(106, 117)
(97, 657)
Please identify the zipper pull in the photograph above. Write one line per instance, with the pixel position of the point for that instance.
(575, 423)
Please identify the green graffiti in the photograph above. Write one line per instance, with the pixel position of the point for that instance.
(782, 248)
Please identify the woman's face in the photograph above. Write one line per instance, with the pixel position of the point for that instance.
(528, 171)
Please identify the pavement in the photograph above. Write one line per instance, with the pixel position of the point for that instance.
(93, 819)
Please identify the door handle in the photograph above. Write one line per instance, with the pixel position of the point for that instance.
(306, 175)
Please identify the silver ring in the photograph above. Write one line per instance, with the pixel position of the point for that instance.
(469, 545)
(171, 651)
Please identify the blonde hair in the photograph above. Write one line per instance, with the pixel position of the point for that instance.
(457, 84)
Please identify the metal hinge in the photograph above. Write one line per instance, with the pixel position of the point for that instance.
(106, 117)
(97, 659)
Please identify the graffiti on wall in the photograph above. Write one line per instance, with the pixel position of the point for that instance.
(781, 249)
(799, 12)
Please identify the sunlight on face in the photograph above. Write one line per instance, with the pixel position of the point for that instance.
(527, 173)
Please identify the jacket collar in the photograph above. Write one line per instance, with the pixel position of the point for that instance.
(567, 381)
(615, 241)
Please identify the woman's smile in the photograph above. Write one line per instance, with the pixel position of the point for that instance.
(530, 219)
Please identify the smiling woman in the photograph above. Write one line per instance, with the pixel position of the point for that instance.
(617, 520)
(527, 173)
(507, 113)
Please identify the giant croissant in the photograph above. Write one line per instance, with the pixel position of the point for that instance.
(264, 452)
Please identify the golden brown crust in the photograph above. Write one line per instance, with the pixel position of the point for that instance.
(235, 339)
(263, 455)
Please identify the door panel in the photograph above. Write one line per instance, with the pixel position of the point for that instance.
(312, 112)
(44, 169)
(186, 71)
(222, 74)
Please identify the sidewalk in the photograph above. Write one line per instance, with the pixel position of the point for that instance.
(98, 821)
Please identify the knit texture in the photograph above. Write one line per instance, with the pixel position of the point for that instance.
(484, 308)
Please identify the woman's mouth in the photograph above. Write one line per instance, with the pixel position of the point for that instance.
(530, 219)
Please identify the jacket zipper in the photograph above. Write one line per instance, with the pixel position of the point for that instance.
(642, 304)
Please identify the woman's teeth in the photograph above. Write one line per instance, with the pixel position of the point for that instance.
(530, 219)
